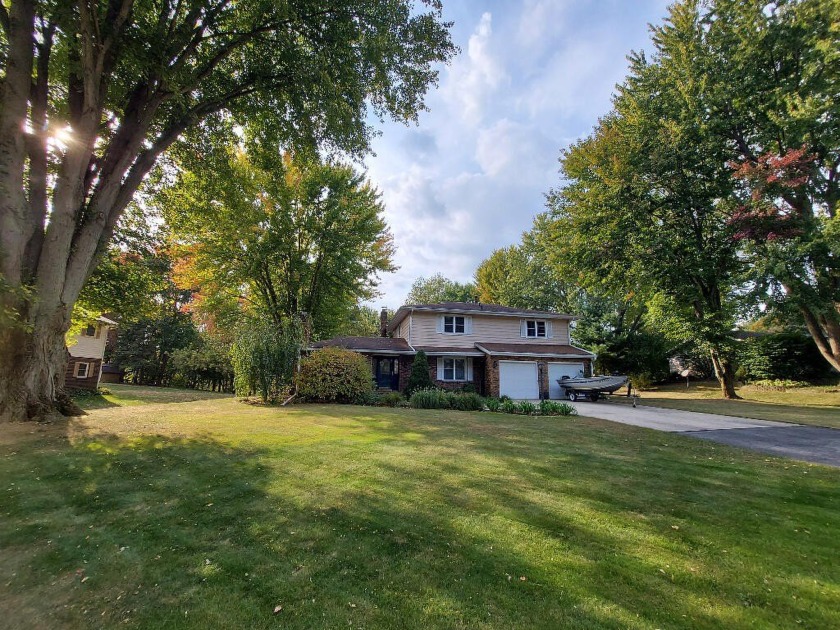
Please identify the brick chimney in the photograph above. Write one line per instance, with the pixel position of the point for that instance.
(383, 322)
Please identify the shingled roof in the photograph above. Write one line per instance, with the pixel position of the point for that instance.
(367, 344)
(533, 349)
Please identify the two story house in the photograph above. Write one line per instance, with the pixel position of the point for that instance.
(499, 350)
(86, 352)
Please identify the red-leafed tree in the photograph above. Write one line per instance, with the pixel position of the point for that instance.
(791, 235)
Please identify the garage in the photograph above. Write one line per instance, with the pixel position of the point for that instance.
(556, 371)
(519, 380)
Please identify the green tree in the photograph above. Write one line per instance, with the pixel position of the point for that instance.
(644, 205)
(293, 236)
(361, 321)
(264, 357)
(145, 347)
(771, 72)
(438, 288)
(95, 91)
(531, 275)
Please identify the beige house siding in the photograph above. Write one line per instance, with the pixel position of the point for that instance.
(485, 328)
(403, 330)
(84, 346)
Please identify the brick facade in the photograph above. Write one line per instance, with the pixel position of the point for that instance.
(71, 381)
(477, 380)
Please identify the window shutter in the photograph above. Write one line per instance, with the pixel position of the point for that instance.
(469, 369)
(440, 324)
(523, 329)
(549, 329)
(440, 368)
(468, 325)
(98, 331)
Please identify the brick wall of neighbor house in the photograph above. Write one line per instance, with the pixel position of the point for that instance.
(491, 372)
(477, 382)
(70, 380)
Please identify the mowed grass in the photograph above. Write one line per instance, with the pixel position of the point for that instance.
(212, 514)
(121, 395)
(817, 405)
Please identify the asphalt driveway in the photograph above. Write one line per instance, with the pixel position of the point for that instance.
(806, 443)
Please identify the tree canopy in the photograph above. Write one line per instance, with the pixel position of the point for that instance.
(95, 91)
(438, 288)
(289, 235)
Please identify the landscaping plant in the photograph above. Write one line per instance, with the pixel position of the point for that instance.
(430, 398)
(527, 408)
(419, 377)
(334, 375)
(264, 358)
(466, 401)
(492, 404)
(509, 406)
(391, 399)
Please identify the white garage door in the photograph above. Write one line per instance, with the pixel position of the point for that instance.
(519, 380)
(557, 371)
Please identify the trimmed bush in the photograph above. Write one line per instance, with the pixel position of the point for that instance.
(419, 377)
(391, 399)
(334, 375)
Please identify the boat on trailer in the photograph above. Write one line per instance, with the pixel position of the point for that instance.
(591, 388)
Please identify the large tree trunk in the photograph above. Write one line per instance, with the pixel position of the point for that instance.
(725, 374)
(33, 368)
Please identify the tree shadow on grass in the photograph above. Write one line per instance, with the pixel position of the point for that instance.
(388, 532)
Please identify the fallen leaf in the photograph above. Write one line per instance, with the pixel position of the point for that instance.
(277, 608)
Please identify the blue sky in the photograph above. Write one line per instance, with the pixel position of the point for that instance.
(531, 78)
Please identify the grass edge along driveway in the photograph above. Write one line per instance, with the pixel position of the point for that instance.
(210, 513)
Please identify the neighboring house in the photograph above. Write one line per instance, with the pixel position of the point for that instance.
(498, 350)
(86, 351)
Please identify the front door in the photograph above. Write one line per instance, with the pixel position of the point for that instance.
(387, 373)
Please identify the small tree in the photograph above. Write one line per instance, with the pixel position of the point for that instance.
(264, 358)
(334, 375)
(420, 377)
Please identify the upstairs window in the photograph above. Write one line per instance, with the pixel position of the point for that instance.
(90, 331)
(454, 324)
(534, 328)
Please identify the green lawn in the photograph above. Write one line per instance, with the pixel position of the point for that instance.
(129, 395)
(817, 405)
(212, 513)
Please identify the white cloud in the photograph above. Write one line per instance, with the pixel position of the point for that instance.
(512, 150)
(473, 79)
(472, 175)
